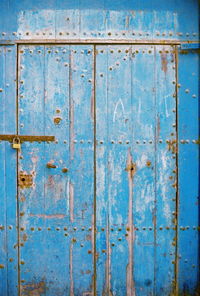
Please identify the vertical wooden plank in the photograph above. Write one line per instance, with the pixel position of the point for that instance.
(119, 154)
(143, 118)
(56, 179)
(165, 169)
(122, 95)
(31, 162)
(81, 187)
(188, 128)
(11, 170)
(3, 249)
(8, 215)
(102, 200)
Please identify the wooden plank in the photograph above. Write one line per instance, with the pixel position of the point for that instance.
(8, 215)
(165, 81)
(81, 170)
(143, 134)
(188, 161)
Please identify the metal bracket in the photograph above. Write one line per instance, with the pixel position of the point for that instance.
(24, 138)
(189, 47)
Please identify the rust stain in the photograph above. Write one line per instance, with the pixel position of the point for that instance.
(107, 291)
(72, 138)
(148, 163)
(55, 216)
(33, 289)
(57, 120)
(71, 271)
(164, 61)
(50, 181)
(131, 169)
(24, 180)
(25, 237)
(50, 165)
(71, 201)
(172, 146)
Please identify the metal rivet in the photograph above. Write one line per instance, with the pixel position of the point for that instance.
(187, 91)
(194, 96)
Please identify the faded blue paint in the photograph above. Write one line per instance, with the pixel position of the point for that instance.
(188, 171)
(8, 191)
(114, 113)
(154, 19)
(139, 122)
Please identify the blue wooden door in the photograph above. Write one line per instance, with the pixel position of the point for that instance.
(97, 206)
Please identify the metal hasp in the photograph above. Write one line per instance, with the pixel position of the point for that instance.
(190, 46)
(24, 138)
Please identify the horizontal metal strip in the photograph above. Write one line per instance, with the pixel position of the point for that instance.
(90, 41)
(24, 138)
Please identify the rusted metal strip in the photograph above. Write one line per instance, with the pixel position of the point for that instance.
(25, 138)
(96, 41)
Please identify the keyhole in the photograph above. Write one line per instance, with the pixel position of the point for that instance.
(23, 179)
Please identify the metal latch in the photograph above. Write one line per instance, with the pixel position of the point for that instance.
(189, 47)
(16, 140)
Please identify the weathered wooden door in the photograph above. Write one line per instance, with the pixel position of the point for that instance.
(96, 207)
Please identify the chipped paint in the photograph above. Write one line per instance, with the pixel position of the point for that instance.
(72, 136)
(131, 170)
(33, 289)
(164, 61)
(107, 288)
(71, 201)
(54, 216)
(71, 271)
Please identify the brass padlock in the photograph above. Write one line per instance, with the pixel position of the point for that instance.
(16, 143)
